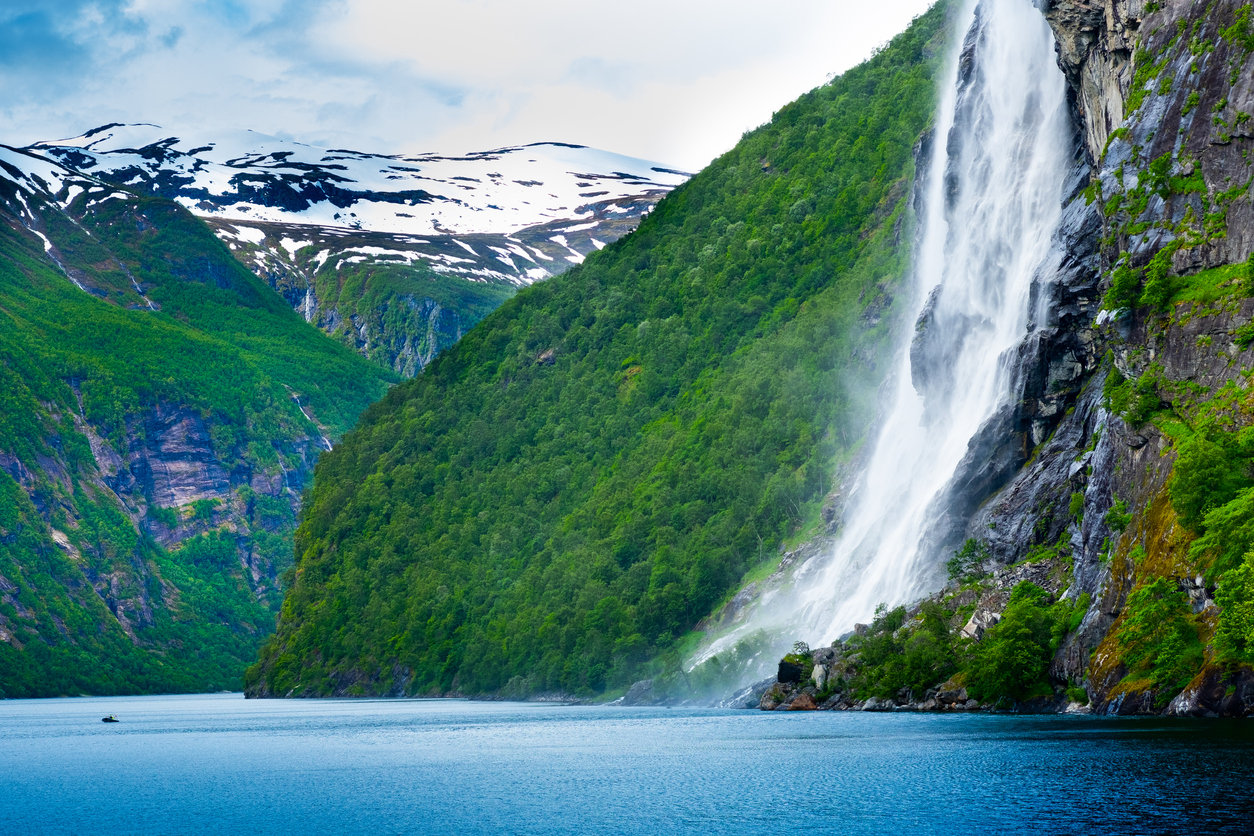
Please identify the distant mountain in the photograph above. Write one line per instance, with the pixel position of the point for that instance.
(161, 410)
(395, 255)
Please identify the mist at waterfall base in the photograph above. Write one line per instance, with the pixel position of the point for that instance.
(990, 197)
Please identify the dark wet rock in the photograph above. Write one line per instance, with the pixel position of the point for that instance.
(790, 671)
(1216, 693)
(1130, 703)
(1042, 705)
(833, 702)
(926, 357)
(825, 655)
(748, 697)
(778, 694)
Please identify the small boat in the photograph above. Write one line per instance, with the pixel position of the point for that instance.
(112, 718)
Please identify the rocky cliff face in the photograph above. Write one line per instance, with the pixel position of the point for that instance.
(160, 414)
(1162, 93)
(170, 484)
(1150, 290)
(1147, 341)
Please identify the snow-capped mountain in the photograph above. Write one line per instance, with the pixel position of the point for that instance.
(397, 255)
(244, 175)
(28, 181)
(558, 202)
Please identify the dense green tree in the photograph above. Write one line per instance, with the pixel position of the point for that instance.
(164, 316)
(596, 464)
(1012, 660)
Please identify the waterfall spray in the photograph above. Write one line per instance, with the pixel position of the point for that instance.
(992, 197)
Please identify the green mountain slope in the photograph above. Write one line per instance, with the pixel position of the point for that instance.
(397, 311)
(598, 463)
(156, 427)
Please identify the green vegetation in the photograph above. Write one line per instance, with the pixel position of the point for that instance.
(1173, 175)
(1211, 471)
(968, 562)
(1134, 401)
(1234, 639)
(387, 299)
(1012, 661)
(1118, 518)
(1240, 33)
(1075, 506)
(1148, 70)
(894, 656)
(583, 476)
(1212, 482)
(1009, 663)
(1212, 492)
(1158, 638)
(108, 610)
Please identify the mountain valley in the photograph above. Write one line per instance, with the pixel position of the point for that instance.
(546, 422)
(162, 411)
(396, 256)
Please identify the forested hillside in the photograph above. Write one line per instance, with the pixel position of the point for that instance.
(157, 422)
(598, 463)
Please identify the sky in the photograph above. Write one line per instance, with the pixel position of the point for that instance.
(675, 81)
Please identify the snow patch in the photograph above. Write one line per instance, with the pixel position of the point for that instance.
(293, 247)
(250, 234)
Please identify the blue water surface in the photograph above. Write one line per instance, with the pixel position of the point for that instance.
(219, 764)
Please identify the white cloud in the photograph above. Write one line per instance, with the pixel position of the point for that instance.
(672, 80)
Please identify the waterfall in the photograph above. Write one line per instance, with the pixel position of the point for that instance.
(991, 201)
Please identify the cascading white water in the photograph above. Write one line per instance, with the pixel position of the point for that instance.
(992, 203)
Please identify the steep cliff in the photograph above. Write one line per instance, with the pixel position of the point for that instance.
(1165, 92)
(1126, 497)
(160, 412)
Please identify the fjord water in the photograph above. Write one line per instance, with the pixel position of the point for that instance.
(219, 764)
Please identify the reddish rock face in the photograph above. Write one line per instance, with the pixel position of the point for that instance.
(803, 702)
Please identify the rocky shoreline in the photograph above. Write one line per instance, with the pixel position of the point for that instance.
(950, 697)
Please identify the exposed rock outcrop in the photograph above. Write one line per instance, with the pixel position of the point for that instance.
(1163, 99)
(1095, 43)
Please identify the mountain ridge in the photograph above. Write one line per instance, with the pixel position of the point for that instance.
(394, 255)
